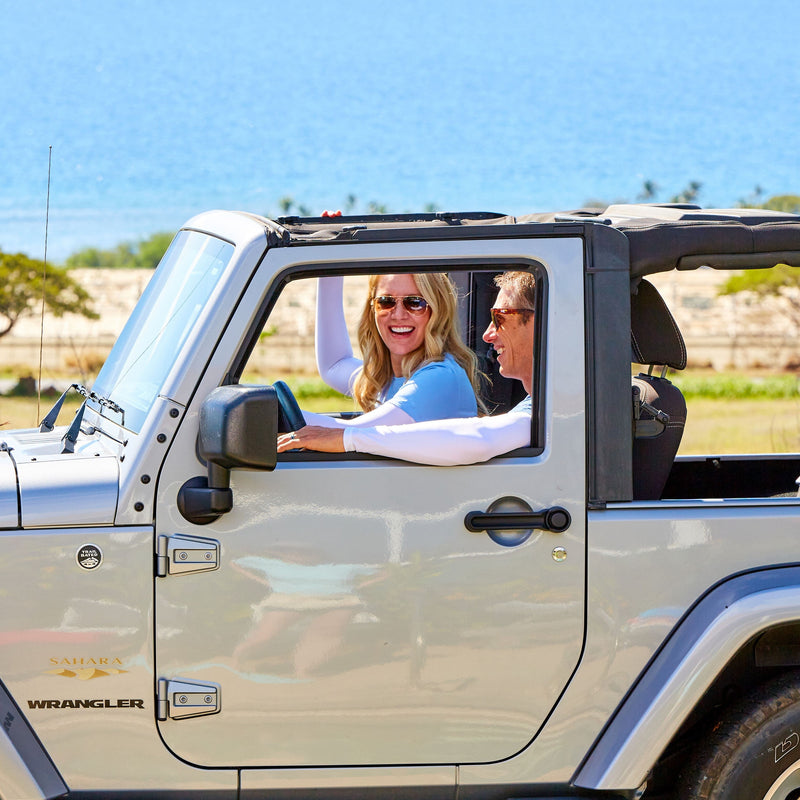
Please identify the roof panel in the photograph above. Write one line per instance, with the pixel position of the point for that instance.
(661, 237)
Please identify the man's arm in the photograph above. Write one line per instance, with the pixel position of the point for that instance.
(439, 442)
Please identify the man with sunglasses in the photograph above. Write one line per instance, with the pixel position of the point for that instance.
(454, 441)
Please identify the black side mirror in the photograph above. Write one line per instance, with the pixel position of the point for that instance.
(238, 430)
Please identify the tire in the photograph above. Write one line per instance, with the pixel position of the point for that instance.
(753, 753)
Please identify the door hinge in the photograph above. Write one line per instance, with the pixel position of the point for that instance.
(182, 699)
(182, 555)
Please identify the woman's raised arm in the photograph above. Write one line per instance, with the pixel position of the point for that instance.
(335, 361)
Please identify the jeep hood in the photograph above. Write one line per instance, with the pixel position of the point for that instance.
(41, 487)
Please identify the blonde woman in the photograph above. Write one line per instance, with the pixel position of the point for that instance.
(415, 364)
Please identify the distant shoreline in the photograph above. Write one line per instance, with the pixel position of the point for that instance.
(71, 230)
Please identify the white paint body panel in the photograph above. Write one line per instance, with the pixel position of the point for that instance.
(86, 635)
(9, 504)
(69, 489)
(649, 562)
(431, 661)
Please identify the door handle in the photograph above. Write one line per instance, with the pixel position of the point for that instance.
(555, 520)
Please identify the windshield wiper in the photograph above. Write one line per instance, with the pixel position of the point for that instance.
(49, 422)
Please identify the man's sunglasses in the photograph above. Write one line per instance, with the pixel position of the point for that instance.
(499, 314)
(412, 303)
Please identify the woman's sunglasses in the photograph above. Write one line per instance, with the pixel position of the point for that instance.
(499, 314)
(412, 303)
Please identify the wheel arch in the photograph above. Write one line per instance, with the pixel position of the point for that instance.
(754, 614)
(26, 770)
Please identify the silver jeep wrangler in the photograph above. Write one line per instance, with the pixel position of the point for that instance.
(188, 614)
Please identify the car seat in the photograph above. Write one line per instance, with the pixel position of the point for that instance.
(659, 408)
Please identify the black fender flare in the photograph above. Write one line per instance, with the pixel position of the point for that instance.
(698, 649)
(26, 769)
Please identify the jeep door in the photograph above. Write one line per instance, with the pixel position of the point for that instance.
(342, 613)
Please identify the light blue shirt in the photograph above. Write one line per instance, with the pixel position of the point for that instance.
(525, 406)
(437, 390)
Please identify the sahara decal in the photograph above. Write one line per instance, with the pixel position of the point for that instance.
(95, 703)
(85, 673)
(84, 669)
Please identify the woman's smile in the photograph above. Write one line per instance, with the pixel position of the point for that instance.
(401, 331)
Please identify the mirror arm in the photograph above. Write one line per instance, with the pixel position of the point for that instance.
(201, 504)
(218, 477)
(205, 500)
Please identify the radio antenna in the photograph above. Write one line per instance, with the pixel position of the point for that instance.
(44, 286)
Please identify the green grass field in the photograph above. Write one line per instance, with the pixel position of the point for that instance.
(741, 426)
(20, 412)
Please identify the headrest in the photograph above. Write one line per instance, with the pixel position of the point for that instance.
(654, 335)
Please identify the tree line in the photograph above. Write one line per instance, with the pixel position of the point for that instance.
(26, 283)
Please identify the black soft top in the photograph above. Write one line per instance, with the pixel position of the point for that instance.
(663, 238)
(660, 237)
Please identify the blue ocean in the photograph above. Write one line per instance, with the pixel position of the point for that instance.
(158, 109)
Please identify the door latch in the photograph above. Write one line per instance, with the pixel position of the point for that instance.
(510, 521)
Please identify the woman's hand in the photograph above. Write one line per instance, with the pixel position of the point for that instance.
(313, 437)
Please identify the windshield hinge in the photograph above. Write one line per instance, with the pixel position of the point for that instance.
(182, 699)
(183, 555)
(71, 436)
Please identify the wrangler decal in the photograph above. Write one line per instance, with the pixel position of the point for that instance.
(95, 703)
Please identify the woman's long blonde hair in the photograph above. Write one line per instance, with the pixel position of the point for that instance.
(442, 336)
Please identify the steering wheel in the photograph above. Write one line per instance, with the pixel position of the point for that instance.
(290, 417)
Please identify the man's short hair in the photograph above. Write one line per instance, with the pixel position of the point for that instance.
(520, 284)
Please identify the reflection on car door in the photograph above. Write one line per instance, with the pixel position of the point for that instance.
(354, 620)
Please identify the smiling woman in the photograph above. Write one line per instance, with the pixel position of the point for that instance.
(414, 366)
(401, 317)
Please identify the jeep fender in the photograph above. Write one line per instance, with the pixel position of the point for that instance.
(26, 771)
(684, 668)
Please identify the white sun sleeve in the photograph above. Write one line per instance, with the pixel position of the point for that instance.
(335, 361)
(446, 442)
(386, 414)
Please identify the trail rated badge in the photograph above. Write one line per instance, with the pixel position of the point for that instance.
(89, 556)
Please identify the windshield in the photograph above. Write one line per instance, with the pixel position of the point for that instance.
(149, 345)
